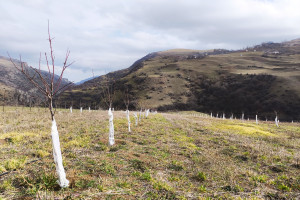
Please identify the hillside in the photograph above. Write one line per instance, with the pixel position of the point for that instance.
(14, 86)
(167, 156)
(257, 80)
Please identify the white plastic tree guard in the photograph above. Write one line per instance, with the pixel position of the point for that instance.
(62, 180)
(111, 139)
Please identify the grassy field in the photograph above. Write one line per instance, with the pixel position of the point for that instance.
(167, 156)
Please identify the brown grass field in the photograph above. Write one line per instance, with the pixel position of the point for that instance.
(183, 155)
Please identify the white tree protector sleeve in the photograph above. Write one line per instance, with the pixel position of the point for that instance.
(62, 180)
(128, 119)
(256, 119)
(243, 117)
(276, 121)
(140, 116)
(223, 116)
(80, 109)
(136, 118)
(89, 109)
(210, 115)
(111, 139)
(147, 113)
(71, 109)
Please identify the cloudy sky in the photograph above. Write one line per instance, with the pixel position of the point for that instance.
(105, 36)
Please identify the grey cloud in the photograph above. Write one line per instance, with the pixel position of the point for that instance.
(110, 35)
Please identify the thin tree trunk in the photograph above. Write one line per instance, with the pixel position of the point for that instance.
(111, 138)
(276, 121)
(140, 115)
(128, 119)
(62, 180)
(136, 118)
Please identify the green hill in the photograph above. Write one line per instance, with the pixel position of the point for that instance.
(257, 80)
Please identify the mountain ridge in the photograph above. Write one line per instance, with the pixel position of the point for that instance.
(15, 88)
(261, 79)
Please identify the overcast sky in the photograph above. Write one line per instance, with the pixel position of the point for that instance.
(105, 36)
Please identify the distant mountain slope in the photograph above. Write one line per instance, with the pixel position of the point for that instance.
(15, 87)
(261, 79)
(84, 80)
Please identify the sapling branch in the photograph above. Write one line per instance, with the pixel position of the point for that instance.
(49, 88)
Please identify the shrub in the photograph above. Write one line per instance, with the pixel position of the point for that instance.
(14, 163)
(176, 166)
(138, 165)
(200, 176)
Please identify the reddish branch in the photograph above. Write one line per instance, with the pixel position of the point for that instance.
(126, 98)
(108, 93)
(51, 87)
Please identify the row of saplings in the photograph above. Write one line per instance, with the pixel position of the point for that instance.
(243, 118)
(63, 181)
(50, 87)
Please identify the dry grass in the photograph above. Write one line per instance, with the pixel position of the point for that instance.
(167, 156)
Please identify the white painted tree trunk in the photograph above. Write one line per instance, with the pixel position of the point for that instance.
(128, 119)
(111, 139)
(140, 115)
(136, 118)
(256, 119)
(71, 109)
(276, 121)
(62, 180)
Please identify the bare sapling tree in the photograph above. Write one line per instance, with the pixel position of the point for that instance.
(136, 118)
(276, 119)
(49, 88)
(147, 112)
(108, 94)
(140, 106)
(127, 102)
